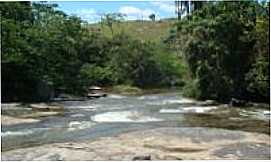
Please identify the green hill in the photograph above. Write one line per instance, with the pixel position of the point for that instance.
(144, 30)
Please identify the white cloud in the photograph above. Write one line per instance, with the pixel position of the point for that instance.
(167, 6)
(129, 10)
(133, 13)
(89, 15)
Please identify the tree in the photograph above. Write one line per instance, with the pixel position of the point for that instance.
(152, 17)
(218, 43)
(187, 7)
(111, 18)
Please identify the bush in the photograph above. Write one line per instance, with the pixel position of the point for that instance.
(91, 74)
(144, 63)
(127, 89)
(258, 79)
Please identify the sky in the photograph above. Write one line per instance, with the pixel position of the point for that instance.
(91, 11)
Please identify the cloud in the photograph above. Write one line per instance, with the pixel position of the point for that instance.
(167, 6)
(89, 15)
(134, 13)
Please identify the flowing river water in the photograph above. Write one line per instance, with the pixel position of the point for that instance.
(119, 114)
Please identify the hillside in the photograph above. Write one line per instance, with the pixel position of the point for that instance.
(145, 30)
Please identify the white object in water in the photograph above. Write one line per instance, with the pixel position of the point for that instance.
(115, 96)
(16, 133)
(75, 125)
(123, 116)
(171, 111)
(199, 109)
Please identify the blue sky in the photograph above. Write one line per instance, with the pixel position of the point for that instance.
(92, 10)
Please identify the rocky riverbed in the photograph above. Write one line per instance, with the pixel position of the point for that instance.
(158, 144)
(163, 126)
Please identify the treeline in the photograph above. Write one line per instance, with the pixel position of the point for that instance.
(44, 50)
(222, 53)
(226, 47)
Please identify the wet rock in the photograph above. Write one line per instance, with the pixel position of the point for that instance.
(38, 114)
(208, 103)
(259, 105)
(9, 120)
(166, 144)
(63, 95)
(46, 107)
(142, 157)
(238, 103)
(96, 95)
(171, 157)
(246, 150)
(67, 97)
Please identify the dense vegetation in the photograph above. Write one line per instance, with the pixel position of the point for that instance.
(226, 46)
(220, 51)
(57, 51)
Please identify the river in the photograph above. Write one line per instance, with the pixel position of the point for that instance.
(119, 114)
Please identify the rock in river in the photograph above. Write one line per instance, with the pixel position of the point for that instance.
(46, 107)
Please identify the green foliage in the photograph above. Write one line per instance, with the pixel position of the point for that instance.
(126, 89)
(142, 30)
(62, 52)
(258, 78)
(143, 63)
(218, 42)
(112, 18)
(92, 74)
(191, 89)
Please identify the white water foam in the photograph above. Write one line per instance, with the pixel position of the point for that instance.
(180, 101)
(90, 107)
(16, 133)
(199, 109)
(77, 115)
(147, 97)
(123, 116)
(172, 101)
(115, 96)
(193, 109)
(170, 111)
(256, 114)
(75, 125)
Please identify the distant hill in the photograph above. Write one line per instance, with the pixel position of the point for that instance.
(144, 30)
